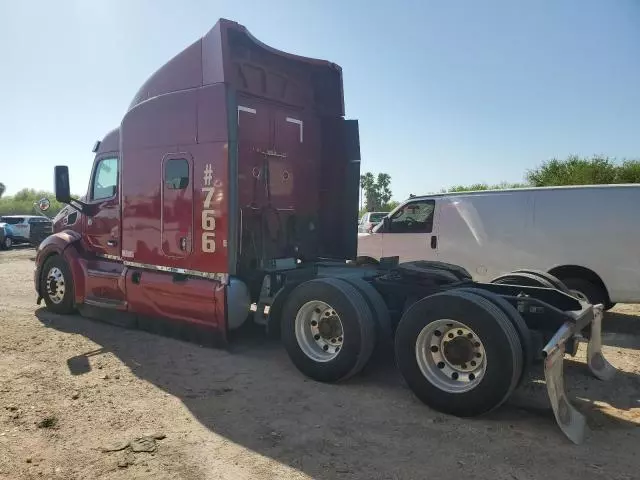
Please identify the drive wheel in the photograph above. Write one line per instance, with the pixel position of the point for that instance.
(524, 279)
(376, 304)
(459, 353)
(328, 329)
(7, 243)
(555, 281)
(56, 285)
(524, 334)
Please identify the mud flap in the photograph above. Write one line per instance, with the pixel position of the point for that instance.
(569, 419)
(598, 365)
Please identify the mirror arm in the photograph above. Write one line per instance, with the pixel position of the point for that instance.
(79, 206)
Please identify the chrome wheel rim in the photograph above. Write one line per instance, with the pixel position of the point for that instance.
(319, 331)
(55, 285)
(8, 242)
(451, 356)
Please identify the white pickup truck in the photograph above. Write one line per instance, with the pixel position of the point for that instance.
(587, 236)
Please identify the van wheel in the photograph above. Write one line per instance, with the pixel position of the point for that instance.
(586, 291)
(459, 353)
(56, 285)
(328, 329)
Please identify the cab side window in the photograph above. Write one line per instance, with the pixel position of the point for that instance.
(414, 217)
(105, 179)
(176, 174)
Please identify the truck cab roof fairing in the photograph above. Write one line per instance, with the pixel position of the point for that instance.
(209, 60)
(110, 142)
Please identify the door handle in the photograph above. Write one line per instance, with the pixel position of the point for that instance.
(434, 242)
(111, 243)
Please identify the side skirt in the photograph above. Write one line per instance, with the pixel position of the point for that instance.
(193, 333)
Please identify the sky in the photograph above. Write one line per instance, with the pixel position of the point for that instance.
(446, 92)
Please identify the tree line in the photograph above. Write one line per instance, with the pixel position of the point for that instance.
(573, 170)
(22, 203)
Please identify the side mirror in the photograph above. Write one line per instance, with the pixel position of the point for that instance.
(44, 204)
(62, 188)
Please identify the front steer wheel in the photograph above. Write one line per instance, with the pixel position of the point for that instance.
(328, 329)
(459, 353)
(56, 285)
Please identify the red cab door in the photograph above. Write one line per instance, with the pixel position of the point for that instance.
(102, 227)
(177, 205)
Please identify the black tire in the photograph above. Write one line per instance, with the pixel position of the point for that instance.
(524, 334)
(494, 328)
(66, 305)
(376, 304)
(593, 293)
(7, 243)
(555, 281)
(560, 285)
(523, 279)
(361, 261)
(357, 322)
(460, 272)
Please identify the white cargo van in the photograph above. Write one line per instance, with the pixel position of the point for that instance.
(587, 236)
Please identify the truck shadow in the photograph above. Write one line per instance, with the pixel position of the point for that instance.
(252, 395)
(620, 323)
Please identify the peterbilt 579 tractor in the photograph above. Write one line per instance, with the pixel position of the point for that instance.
(229, 193)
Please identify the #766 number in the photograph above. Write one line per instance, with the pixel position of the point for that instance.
(208, 223)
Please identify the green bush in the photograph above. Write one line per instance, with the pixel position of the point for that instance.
(22, 203)
(574, 170)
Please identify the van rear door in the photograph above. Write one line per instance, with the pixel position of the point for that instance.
(412, 232)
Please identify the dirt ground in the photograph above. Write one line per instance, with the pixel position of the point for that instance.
(72, 390)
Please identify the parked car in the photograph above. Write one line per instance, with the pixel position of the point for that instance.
(17, 228)
(6, 236)
(587, 236)
(370, 220)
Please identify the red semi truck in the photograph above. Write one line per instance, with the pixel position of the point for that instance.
(229, 194)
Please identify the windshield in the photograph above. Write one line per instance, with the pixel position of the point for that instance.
(377, 217)
(12, 220)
